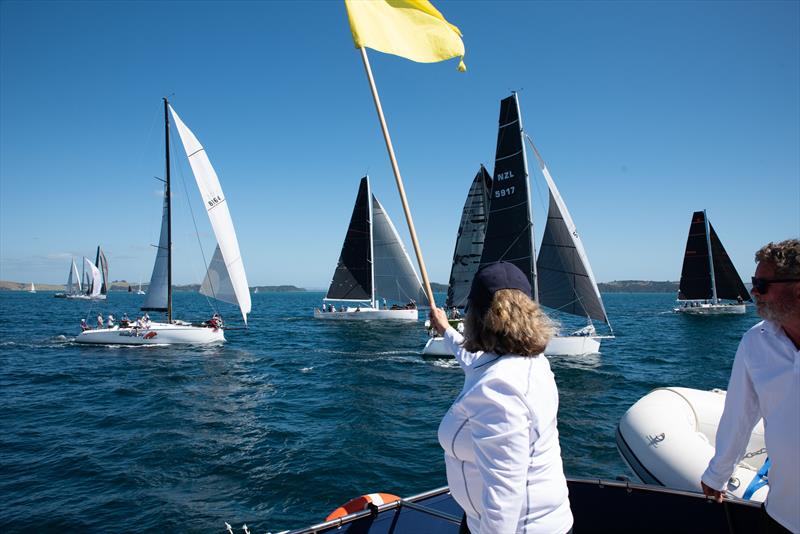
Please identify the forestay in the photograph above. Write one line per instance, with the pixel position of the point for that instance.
(469, 242)
(157, 294)
(566, 281)
(218, 214)
(395, 277)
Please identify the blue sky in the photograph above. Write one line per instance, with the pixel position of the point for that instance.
(644, 112)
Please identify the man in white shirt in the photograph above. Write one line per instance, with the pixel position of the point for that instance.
(765, 383)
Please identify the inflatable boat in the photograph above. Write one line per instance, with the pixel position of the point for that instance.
(667, 439)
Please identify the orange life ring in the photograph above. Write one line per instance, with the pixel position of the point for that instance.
(361, 503)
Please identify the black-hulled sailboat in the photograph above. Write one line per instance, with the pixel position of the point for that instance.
(709, 283)
(374, 278)
(561, 276)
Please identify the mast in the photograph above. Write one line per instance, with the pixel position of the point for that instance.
(169, 214)
(710, 259)
(371, 258)
(530, 206)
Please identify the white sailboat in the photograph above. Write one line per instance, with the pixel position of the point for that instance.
(225, 278)
(94, 287)
(139, 291)
(374, 269)
(708, 275)
(32, 288)
(73, 282)
(561, 276)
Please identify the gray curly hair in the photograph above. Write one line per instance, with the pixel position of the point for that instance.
(785, 255)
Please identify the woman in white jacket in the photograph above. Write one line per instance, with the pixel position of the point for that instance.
(499, 437)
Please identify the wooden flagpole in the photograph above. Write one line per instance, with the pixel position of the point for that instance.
(398, 179)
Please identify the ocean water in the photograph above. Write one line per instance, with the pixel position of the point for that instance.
(288, 419)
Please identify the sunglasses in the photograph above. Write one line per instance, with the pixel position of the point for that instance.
(762, 284)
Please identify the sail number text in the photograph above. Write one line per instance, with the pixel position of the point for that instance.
(214, 201)
(508, 191)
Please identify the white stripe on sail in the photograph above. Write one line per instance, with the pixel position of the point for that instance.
(218, 213)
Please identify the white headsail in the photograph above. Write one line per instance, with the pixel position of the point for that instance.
(95, 278)
(218, 214)
(74, 280)
(156, 299)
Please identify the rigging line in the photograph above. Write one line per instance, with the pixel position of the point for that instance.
(196, 231)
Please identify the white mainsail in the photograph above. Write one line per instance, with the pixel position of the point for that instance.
(218, 214)
(395, 277)
(95, 277)
(156, 299)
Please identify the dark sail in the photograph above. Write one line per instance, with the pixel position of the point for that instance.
(696, 275)
(508, 232)
(352, 279)
(565, 282)
(102, 264)
(469, 242)
(729, 284)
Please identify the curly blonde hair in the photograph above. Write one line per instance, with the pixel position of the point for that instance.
(513, 324)
(785, 255)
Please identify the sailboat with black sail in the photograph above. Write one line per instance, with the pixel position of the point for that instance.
(374, 278)
(225, 278)
(709, 283)
(561, 276)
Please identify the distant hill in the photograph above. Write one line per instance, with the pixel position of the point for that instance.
(438, 288)
(637, 286)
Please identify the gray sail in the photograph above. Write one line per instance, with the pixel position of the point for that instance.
(469, 243)
(395, 277)
(156, 298)
(566, 281)
(217, 284)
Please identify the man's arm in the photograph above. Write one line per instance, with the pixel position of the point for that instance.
(735, 427)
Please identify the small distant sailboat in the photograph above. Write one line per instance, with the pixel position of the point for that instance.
(708, 275)
(373, 267)
(255, 291)
(139, 291)
(32, 288)
(73, 282)
(225, 278)
(501, 229)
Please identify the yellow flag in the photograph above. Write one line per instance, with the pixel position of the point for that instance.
(412, 29)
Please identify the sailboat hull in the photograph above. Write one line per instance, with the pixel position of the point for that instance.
(155, 334)
(86, 297)
(705, 308)
(558, 346)
(367, 314)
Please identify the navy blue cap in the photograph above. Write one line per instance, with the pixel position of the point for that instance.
(493, 277)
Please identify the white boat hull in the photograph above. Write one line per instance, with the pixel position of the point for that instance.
(706, 308)
(558, 346)
(86, 297)
(367, 314)
(667, 438)
(155, 334)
